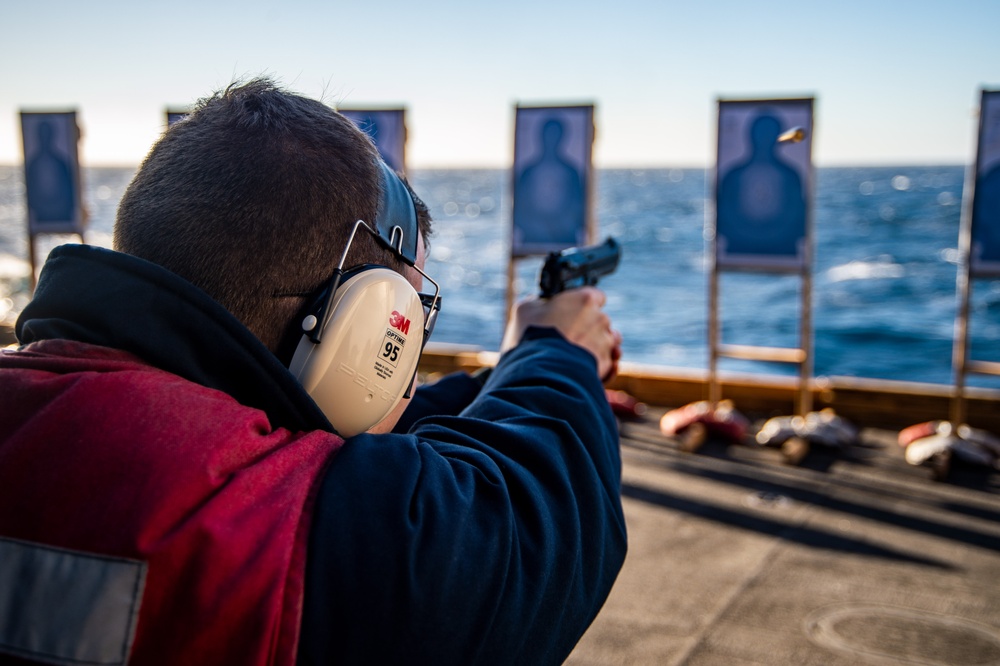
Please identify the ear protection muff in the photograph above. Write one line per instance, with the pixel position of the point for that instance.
(360, 349)
(368, 354)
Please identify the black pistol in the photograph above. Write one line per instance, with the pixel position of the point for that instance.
(578, 267)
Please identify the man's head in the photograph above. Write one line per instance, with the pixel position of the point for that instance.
(252, 198)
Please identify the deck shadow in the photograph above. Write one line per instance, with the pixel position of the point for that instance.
(742, 520)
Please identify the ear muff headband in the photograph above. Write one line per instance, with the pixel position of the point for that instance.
(358, 356)
(396, 221)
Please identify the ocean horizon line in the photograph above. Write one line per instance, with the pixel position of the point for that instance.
(600, 167)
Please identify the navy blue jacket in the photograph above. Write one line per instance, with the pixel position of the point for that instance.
(487, 529)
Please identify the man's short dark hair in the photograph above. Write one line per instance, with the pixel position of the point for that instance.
(252, 198)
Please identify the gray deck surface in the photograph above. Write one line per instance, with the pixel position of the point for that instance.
(851, 557)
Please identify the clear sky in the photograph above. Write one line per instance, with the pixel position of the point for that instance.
(895, 82)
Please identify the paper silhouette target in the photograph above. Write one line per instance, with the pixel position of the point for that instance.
(985, 255)
(763, 184)
(52, 172)
(553, 149)
(387, 128)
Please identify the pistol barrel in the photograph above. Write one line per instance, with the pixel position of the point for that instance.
(578, 267)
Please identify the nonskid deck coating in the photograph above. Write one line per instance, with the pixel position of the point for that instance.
(853, 557)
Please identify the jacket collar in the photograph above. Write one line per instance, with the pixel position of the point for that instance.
(101, 297)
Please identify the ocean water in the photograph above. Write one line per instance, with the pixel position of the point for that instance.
(883, 296)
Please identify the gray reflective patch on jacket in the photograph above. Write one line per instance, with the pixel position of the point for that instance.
(62, 606)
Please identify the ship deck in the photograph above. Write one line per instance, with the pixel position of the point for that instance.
(849, 557)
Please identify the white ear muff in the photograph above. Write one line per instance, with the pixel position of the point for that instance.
(368, 351)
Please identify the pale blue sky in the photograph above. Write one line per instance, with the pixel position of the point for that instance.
(895, 82)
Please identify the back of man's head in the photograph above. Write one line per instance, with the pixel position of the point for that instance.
(252, 198)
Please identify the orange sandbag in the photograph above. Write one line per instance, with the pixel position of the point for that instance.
(624, 405)
(722, 421)
(917, 431)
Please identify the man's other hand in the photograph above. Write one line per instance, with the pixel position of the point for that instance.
(576, 313)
